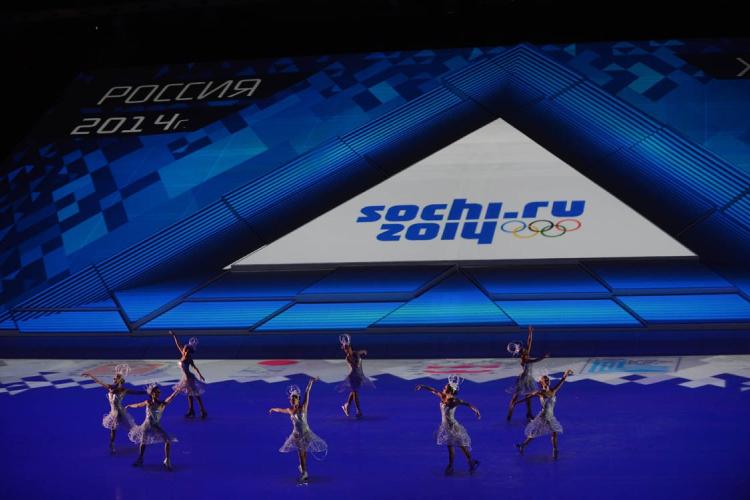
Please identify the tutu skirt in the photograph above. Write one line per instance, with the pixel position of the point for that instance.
(190, 385)
(115, 419)
(355, 381)
(304, 441)
(149, 433)
(525, 384)
(453, 435)
(541, 425)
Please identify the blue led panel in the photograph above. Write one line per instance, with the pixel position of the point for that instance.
(455, 301)
(404, 280)
(689, 308)
(537, 281)
(101, 304)
(595, 312)
(7, 324)
(330, 316)
(73, 322)
(658, 275)
(143, 300)
(215, 314)
(258, 285)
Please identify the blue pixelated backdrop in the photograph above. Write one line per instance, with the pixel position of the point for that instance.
(121, 209)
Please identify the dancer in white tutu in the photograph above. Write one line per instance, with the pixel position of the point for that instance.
(545, 421)
(451, 433)
(356, 378)
(302, 438)
(151, 431)
(525, 382)
(189, 383)
(116, 391)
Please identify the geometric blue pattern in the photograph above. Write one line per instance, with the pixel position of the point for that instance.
(402, 280)
(258, 285)
(537, 281)
(74, 322)
(103, 212)
(140, 301)
(215, 314)
(659, 275)
(582, 312)
(455, 301)
(690, 308)
(330, 316)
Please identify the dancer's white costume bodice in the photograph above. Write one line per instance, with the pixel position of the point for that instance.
(299, 422)
(154, 412)
(448, 413)
(115, 400)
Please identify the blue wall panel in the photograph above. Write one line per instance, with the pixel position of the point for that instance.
(329, 316)
(584, 312)
(690, 308)
(236, 285)
(561, 280)
(74, 322)
(215, 314)
(623, 276)
(455, 301)
(379, 280)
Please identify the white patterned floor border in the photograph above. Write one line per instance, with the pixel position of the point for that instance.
(20, 375)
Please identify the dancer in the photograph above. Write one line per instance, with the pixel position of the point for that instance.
(116, 391)
(356, 378)
(302, 438)
(545, 421)
(451, 433)
(525, 382)
(151, 431)
(189, 384)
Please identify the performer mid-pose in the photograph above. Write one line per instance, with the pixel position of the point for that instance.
(451, 433)
(525, 382)
(151, 431)
(116, 391)
(545, 422)
(356, 378)
(189, 384)
(302, 438)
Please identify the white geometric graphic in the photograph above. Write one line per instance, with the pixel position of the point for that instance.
(475, 200)
(18, 376)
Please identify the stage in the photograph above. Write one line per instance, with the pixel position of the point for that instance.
(634, 428)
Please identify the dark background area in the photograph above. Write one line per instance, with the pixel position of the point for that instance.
(46, 42)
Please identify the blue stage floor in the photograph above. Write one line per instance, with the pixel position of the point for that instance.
(675, 430)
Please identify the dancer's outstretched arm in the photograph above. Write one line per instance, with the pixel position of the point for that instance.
(171, 397)
(306, 402)
(176, 341)
(87, 374)
(192, 363)
(529, 339)
(428, 389)
(536, 360)
(560, 383)
(137, 405)
(529, 396)
(288, 411)
(470, 406)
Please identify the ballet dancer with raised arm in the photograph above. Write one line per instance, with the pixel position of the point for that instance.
(545, 421)
(525, 383)
(302, 438)
(451, 433)
(189, 383)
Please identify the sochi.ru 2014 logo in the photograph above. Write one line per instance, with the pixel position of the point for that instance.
(473, 221)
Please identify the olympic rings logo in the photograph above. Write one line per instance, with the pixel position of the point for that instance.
(545, 227)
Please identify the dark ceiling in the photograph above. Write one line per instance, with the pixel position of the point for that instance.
(45, 43)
